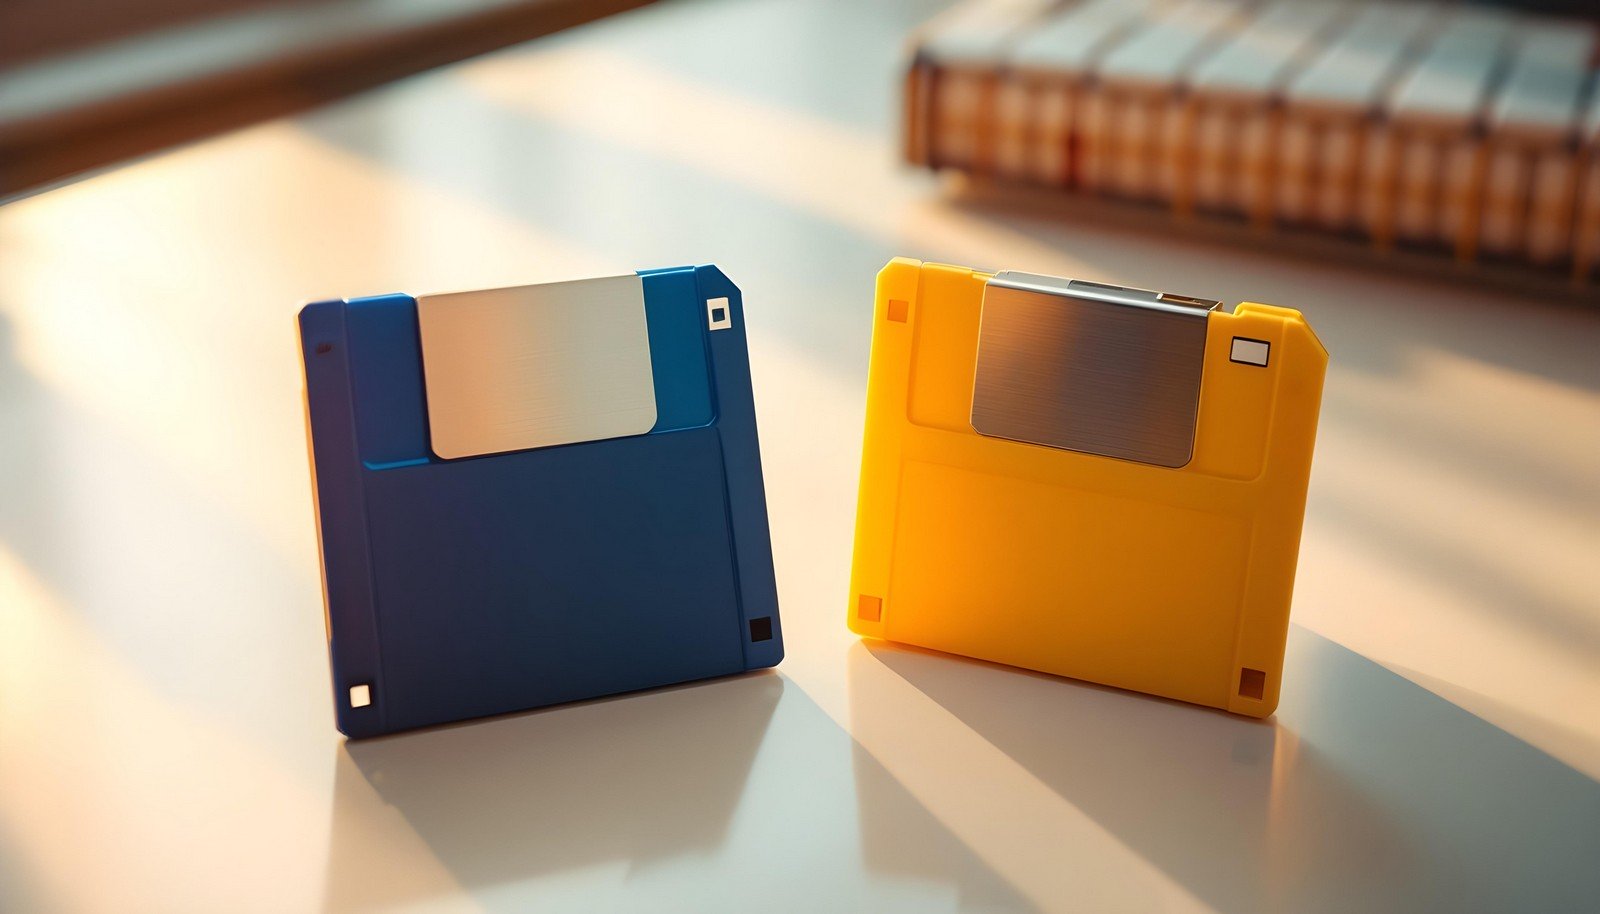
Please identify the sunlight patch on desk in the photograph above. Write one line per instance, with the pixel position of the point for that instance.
(104, 756)
(850, 176)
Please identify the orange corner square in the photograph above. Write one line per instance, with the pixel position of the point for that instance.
(869, 609)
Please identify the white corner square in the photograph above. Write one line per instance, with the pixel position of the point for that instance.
(1249, 352)
(719, 315)
(360, 695)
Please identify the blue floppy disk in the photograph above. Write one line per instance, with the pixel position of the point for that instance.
(534, 495)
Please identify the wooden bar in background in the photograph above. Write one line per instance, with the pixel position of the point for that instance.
(67, 115)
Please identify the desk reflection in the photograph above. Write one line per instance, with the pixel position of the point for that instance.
(640, 778)
(729, 795)
(1365, 792)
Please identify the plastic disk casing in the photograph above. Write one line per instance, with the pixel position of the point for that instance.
(619, 552)
(1172, 579)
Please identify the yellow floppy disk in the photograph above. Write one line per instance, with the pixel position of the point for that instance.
(1088, 480)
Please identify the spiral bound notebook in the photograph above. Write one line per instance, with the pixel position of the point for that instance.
(1472, 131)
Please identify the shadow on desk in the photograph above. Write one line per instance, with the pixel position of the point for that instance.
(1364, 793)
(734, 794)
(637, 778)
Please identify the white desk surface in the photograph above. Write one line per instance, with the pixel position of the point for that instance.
(166, 737)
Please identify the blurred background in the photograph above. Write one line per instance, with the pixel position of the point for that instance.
(1419, 178)
(85, 83)
(1468, 130)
